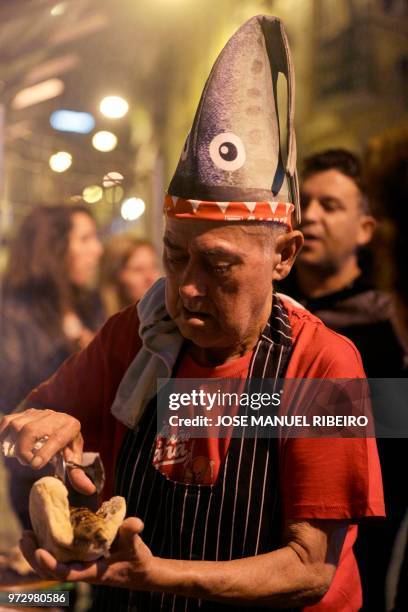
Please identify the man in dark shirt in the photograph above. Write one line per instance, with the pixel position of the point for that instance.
(328, 278)
(330, 281)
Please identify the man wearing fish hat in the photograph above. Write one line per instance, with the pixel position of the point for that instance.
(215, 524)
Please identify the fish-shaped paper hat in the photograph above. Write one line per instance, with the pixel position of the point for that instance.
(231, 166)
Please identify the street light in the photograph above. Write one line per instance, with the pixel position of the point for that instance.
(114, 107)
(132, 209)
(59, 9)
(65, 120)
(104, 141)
(40, 92)
(92, 194)
(61, 161)
(112, 179)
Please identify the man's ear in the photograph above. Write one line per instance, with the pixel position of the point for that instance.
(287, 246)
(366, 230)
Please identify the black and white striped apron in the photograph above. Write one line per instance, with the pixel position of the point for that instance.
(237, 516)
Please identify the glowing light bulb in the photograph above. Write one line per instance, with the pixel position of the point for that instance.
(132, 209)
(92, 194)
(112, 179)
(114, 107)
(61, 161)
(59, 9)
(40, 92)
(72, 121)
(104, 141)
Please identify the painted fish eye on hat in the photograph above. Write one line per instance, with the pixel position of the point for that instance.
(231, 166)
(227, 151)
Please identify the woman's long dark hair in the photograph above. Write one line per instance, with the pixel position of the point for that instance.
(37, 269)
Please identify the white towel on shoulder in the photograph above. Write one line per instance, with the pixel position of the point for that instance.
(162, 342)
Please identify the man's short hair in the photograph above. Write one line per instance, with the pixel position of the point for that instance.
(341, 160)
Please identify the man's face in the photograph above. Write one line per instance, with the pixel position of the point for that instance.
(333, 223)
(218, 281)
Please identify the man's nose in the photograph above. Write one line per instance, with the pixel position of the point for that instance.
(190, 291)
(193, 284)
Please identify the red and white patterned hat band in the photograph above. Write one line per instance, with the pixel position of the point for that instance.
(277, 212)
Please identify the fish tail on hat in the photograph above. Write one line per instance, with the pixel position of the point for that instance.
(279, 54)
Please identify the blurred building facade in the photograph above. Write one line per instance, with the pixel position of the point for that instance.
(351, 64)
(355, 72)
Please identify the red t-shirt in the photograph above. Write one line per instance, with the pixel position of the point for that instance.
(320, 479)
(197, 460)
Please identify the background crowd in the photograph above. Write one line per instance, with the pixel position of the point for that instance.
(69, 261)
(61, 282)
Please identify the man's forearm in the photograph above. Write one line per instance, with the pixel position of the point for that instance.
(279, 578)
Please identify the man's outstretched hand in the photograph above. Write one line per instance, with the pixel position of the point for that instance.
(63, 431)
(128, 566)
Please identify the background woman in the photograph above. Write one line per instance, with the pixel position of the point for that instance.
(129, 267)
(47, 312)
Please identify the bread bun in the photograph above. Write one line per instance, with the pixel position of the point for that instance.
(72, 534)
